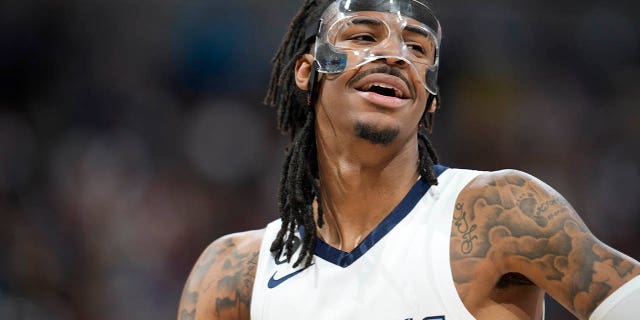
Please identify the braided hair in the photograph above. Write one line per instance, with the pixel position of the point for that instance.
(299, 180)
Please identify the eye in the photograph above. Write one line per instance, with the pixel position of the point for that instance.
(416, 48)
(362, 38)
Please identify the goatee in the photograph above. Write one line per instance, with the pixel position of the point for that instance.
(375, 135)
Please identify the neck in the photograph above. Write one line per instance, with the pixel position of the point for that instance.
(360, 184)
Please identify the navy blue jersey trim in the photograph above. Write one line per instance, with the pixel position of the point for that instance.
(345, 259)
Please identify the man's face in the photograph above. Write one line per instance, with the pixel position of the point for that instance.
(381, 100)
(349, 38)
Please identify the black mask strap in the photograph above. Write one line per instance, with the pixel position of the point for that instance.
(312, 95)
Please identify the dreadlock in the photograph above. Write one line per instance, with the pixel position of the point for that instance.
(299, 180)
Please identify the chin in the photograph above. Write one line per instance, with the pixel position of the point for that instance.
(376, 134)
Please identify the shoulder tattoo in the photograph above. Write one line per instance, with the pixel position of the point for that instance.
(224, 274)
(519, 224)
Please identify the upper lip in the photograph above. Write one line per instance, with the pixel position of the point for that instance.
(385, 80)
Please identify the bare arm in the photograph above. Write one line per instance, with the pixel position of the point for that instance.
(510, 222)
(220, 284)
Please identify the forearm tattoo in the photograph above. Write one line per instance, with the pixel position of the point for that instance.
(225, 273)
(518, 222)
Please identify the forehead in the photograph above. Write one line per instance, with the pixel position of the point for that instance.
(402, 12)
(374, 17)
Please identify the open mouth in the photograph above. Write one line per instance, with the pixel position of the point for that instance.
(382, 84)
(382, 89)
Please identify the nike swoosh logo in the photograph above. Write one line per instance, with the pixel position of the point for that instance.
(273, 282)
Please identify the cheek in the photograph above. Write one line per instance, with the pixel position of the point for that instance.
(418, 113)
(332, 94)
(333, 104)
(421, 101)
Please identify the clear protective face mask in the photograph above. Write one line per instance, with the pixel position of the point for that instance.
(355, 32)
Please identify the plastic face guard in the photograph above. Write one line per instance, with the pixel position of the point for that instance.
(355, 32)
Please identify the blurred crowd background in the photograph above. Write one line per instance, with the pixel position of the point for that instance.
(132, 133)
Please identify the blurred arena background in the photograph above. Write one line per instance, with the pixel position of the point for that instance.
(132, 133)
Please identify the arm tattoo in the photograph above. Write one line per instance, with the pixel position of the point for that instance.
(463, 227)
(225, 271)
(189, 298)
(516, 221)
(238, 281)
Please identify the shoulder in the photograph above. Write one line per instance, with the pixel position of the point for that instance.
(221, 281)
(246, 241)
(511, 222)
(511, 208)
(501, 178)
(513, 189)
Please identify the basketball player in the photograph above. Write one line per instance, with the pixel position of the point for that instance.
(371, 226)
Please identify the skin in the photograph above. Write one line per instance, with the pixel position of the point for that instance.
(221, 282)
(513, 237)
(508, 222)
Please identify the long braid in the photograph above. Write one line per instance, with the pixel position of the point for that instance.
(299, 187)
(427, 156)
(426, 151)
(299, 183)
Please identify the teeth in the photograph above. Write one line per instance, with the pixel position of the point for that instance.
(397, 92)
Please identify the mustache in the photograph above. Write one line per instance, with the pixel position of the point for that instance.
(382, 69)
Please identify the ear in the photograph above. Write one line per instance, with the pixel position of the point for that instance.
(303, 71)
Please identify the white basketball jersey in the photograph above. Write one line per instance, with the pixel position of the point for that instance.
(400, 271)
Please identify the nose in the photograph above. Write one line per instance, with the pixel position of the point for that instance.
(392, 52)
(395, 60)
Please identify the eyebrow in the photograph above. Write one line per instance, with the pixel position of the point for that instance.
(418, 30)
(366, 21)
